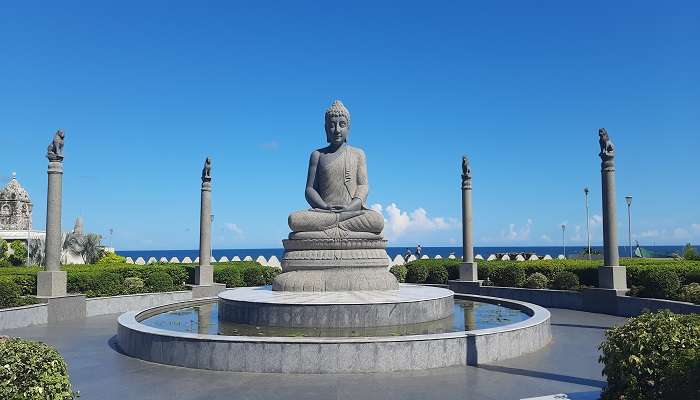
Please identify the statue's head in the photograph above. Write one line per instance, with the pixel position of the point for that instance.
(602, 133)
(337, 123)
(60, 134)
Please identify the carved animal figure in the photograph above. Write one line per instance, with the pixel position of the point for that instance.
(206, 171)
(466, 172)
(55, 150)
(606, 145)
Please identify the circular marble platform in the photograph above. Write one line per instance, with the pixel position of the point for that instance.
(262, 306)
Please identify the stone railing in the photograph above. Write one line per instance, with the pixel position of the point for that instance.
(274, 262)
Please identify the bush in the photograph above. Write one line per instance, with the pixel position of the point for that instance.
(416, 273)
(565, 280)
(254, 276)
(133, 285)
(96, 284)
(232, 277)
(510, 276)
(19, 253)
(437, 275)
(159, 281)
(653, 356)
(32, 370)
(536, 281)
(690, 293)
(10, 294)
(399, 272)
(660, 284)
(110, 258)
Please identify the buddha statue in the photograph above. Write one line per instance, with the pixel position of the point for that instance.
(337, 188)
(336, 245)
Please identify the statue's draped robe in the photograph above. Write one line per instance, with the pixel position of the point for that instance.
(340, 177)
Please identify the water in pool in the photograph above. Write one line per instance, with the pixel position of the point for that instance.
(467, 315)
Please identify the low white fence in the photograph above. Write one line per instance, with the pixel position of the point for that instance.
(274, 262)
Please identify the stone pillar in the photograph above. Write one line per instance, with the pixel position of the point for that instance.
(52, 282)
(204, 273)
(204, 285)
(611, 275)
(467, 270)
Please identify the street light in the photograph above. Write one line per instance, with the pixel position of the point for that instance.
(563, 240)
(588, 224)
(628, 199)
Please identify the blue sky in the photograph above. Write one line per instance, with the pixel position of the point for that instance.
(146, 90)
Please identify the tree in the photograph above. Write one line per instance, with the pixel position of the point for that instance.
(3, 249)
(689, 253)
(92, 250)
(19, 253)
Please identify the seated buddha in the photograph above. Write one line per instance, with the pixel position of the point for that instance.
(337, 188)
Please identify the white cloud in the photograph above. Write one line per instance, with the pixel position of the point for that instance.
(651, 233)
(596, 220)
(235, 229)
(578, 234)
(514, 233)
(546, 238)
(696, 228)
(681, 233)
(399, 223)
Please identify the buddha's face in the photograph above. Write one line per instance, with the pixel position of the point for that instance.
(337, 130)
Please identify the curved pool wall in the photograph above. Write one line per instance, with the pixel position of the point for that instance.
(332, 355)
(353, 309)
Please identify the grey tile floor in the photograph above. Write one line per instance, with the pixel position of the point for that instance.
(568, 365)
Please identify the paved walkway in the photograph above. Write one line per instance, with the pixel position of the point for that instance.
(568, 365)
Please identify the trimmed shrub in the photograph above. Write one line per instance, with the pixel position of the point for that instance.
(255, 276)
(510, 276)
(452, 270)
(110, 258)
(32, 370)
(399, 272)
(95, 284)
(653, 356)
(660, 284)
(231, 277)
(437, 275)
(416, 273)
(159, 281)
(565, 280)
(133, 285)
(690, 293)
(10, 294)
(536, 281)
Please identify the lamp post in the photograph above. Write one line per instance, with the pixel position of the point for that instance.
(563, 238)
(628, 199)
(588, 224)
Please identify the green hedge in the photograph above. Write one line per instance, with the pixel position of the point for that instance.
(32, 370)
(104, 279)
(653, 356)
(423, 271)
(11, 294)
(656, 278)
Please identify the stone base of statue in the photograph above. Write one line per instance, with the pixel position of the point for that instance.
(335, 265)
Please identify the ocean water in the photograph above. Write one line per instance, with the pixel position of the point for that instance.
(394, 251)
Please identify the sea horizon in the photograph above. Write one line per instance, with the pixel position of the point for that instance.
(393, 251)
